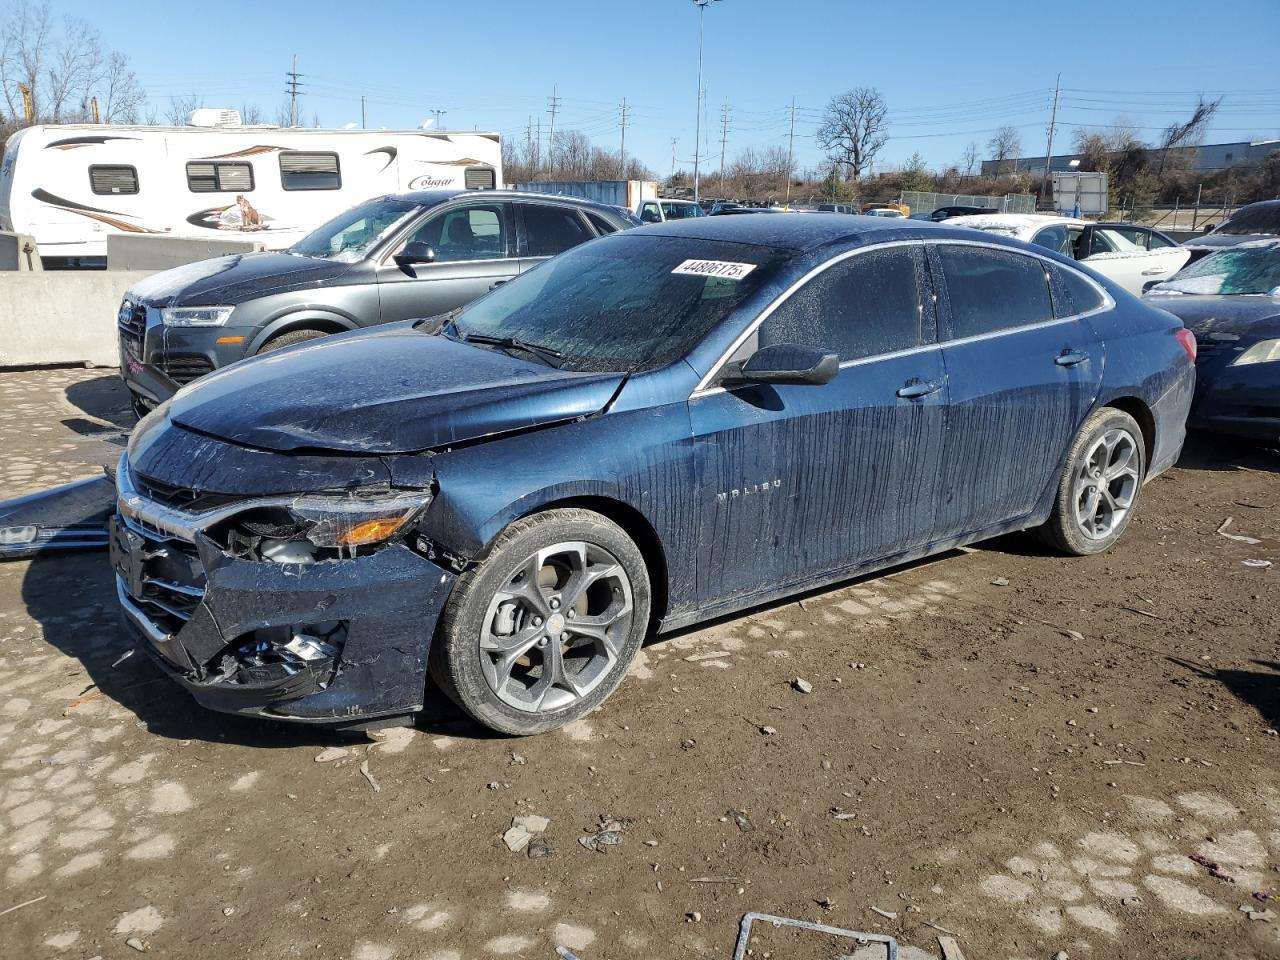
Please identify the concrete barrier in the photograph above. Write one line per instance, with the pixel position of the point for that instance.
(131, 252)
(18, 252)
(61, 316)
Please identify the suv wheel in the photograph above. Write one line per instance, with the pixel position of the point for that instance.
(290, 338)
(543, 629)
(1099, 486)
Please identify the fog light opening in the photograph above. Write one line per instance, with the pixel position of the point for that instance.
(283, 654)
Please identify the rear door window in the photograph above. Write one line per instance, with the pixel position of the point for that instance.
(602, 225)
(549, 230)
(992, 290)
(867, 305)
(1055, 238)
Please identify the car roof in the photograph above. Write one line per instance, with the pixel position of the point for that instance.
(429, 198)
(1019, 222)
(795, 233)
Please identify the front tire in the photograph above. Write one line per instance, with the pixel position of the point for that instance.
(544, 627)
(1099, 486)
(291, 338)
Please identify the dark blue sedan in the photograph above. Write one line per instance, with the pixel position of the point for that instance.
(1231, 301)
(652, 429)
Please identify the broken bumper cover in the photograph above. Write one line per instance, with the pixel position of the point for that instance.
(207, 618)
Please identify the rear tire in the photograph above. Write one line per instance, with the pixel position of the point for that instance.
(1100, 484)
(544, 627)
(291, 338)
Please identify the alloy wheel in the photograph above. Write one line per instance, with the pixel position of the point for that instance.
(552, 632)
(1106, 483)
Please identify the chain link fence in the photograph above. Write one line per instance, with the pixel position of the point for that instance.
(928, 202)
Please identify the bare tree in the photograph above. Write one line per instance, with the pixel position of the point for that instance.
(970, 157)
(251, 113)
(854, 129)
(1006, 143)
(1189, 133)
(179, 110)
(63, 69)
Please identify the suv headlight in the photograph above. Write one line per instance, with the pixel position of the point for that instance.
(195, 316)
(1261, 352)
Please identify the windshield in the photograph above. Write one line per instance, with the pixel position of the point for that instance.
(351, 234)
(622, 303)
(1239, 270)
(1260, 218)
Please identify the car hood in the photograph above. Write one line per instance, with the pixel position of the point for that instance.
(1242, 316)
(1219, 241)
(235, 279)
(391, 390)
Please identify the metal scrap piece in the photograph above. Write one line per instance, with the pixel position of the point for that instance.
(744, 933)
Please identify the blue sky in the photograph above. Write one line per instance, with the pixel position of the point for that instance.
(951, 72)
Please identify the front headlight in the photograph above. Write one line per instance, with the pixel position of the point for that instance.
(195, 316)
(1261, 352)
(356, 522)
(308, 529)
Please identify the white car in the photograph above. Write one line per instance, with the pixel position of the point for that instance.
(660, 211)
(1131, 256)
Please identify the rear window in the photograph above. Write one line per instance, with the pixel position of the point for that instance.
(1255, 218)
(602, 225)
(309, 171)
(992, 290)
(219, 177)
(113, 179)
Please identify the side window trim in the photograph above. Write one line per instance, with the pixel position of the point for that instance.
(522, 234)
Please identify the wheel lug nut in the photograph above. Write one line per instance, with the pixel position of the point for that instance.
(542, 641)
(564, 637)
(570, 613)
(555, 604)
(537, 621)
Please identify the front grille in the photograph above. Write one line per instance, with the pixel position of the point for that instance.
(173, 579)
(184, 498)
(132, 320)
(182, 370)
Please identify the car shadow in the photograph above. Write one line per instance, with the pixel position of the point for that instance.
(1258, 688)
(103, 398)
(1204, 451)
(102, 644)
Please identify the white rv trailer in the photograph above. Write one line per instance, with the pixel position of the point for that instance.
(71, 186)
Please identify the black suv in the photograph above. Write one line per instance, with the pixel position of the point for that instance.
(389, 258)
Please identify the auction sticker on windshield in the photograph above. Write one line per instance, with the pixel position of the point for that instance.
(715, 268)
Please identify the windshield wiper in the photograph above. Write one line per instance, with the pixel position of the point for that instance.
(547, 354)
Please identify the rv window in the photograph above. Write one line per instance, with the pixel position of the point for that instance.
(219, 177)
(113, 179)
(479, 178)
(309, 171)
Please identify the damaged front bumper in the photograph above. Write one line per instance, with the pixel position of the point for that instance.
(339, 640)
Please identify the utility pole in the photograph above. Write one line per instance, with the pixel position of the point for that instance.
(791, 149)
(439, 115)
(697, 127)
(293, 88)
(538, 165)
(1048, 153)
(553, 107)
(528, 148)
(93, 109)
(363, 125)
(724, 137)
(674, 141)
(623, 122)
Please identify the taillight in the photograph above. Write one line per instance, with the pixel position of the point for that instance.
(1188, 341)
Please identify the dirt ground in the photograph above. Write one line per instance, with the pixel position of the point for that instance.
(1022, 749)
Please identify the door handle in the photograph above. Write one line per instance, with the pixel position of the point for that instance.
(1069, 358)
(497, 283)
(919, 389)
(1154, 271)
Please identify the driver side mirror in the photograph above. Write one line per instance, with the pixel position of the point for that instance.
(416, 251)
(786, 363)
